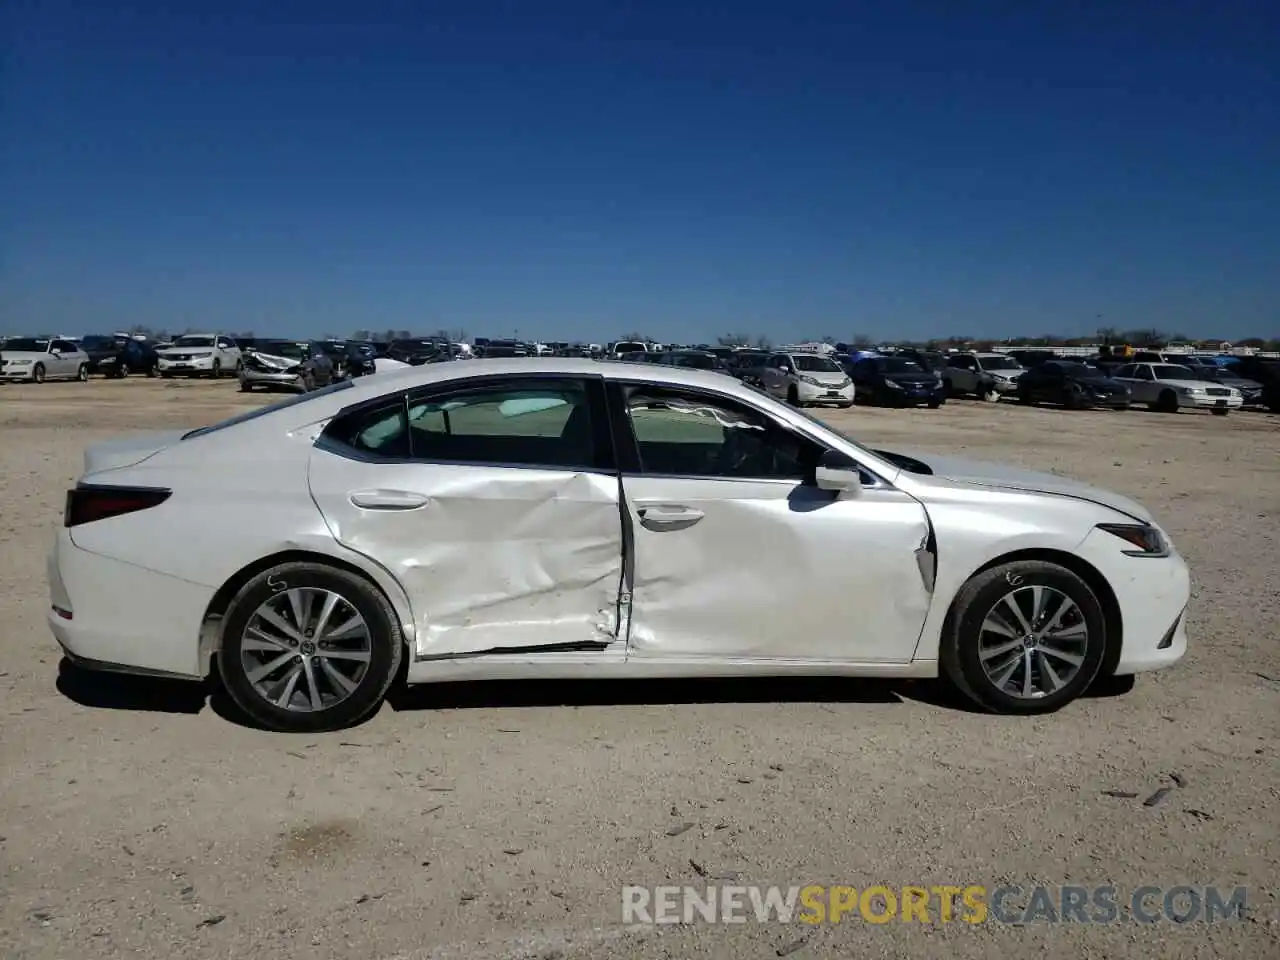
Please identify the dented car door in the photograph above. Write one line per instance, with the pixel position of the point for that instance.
(738, 554)
(494, 503)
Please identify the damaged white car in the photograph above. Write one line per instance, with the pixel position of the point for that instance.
(559, 518)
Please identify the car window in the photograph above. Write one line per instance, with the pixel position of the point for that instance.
(64, 346)
(684, 433)
(525, 423)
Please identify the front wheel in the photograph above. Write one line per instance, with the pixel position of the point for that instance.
(216, 372)
(1220, 412)
(793, 396)
(934, 404)
(308, 648)
(1024, 398)
(1024, 637)
(991, 395)
(37, 373)
(1168, 402)
(845, 404)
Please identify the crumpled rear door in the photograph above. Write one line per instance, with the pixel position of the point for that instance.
(492, 558)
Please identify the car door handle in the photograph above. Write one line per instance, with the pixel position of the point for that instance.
(388, 500)
(668, 516)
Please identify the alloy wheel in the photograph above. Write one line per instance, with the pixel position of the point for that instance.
(1033, 642)
(305, 649)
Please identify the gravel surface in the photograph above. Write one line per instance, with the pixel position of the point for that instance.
(499, 820)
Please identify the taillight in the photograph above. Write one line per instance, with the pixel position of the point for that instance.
(87, 503)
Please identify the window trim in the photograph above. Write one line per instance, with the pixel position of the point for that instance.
(592, 385)
(627, 446)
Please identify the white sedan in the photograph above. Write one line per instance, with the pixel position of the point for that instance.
(1171, 386)
(560, 518)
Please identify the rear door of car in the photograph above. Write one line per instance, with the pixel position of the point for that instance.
(68, 359)
(494, 501)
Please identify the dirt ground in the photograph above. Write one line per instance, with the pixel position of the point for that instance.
(495, 820)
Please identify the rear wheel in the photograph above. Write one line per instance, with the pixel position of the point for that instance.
(308, 648)
(1024, 637)
(83, 373)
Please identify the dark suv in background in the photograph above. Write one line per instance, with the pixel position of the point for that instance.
(119, 355)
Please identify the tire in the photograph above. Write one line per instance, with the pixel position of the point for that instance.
(934, 404)
(370, 679)
(1220, 412)
(166, 376)
(216, 372)
(151, 372)
(845, 404)
(82, 374)
(245, 387)
(793, 396)
(37, 373)
(965, 638)
(1167, 403)
(1024, 398)
(991, 395)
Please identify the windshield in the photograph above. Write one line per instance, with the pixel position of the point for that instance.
(898, 365)
(1000, 363)
(254, 414)
(812, 364)
(102, 343)
(26, 343)
(628, 346)
(193, 342)
(1173, 371)
(699, 361)
(1081, 372)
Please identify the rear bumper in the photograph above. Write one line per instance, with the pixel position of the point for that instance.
(95, 617)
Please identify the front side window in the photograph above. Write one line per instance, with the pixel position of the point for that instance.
(684, 433)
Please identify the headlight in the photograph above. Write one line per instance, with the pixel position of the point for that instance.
(893, 384)
(1147, 541)
(812, 381)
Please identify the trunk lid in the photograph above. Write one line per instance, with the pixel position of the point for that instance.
(127, 451)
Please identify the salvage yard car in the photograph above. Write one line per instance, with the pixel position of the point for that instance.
(1170, 387)
(37, 359)
(285, 365)
(805, 379)
(986, 375)
(1075, 386)
(199, 355)
(556, 518)
(896, 382)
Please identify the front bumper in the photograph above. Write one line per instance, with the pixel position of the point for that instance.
(279, 379)
(1207, 402)
(190, 367)
(11, 372)
(908, 395)
(823, 394)
(1152, 593)
(95, 617)
(1115, 401)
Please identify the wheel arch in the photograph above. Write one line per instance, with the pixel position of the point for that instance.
(1085, 571)
(211, 624)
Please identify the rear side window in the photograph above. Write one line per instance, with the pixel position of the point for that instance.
(522, 423)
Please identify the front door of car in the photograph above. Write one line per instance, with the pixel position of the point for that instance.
(66, 361)
(736, 552)
(495, 504)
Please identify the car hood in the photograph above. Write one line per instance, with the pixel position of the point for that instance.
(165, 351)
(927, 378)
(824, 376)
(1004, 476)
(1193, 384)
(1105, 384)
(275, 359)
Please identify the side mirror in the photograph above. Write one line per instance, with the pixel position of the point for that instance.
(784, 369)
(55, 352)
(838, 472)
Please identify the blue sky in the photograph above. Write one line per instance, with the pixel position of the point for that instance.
(574, 170)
